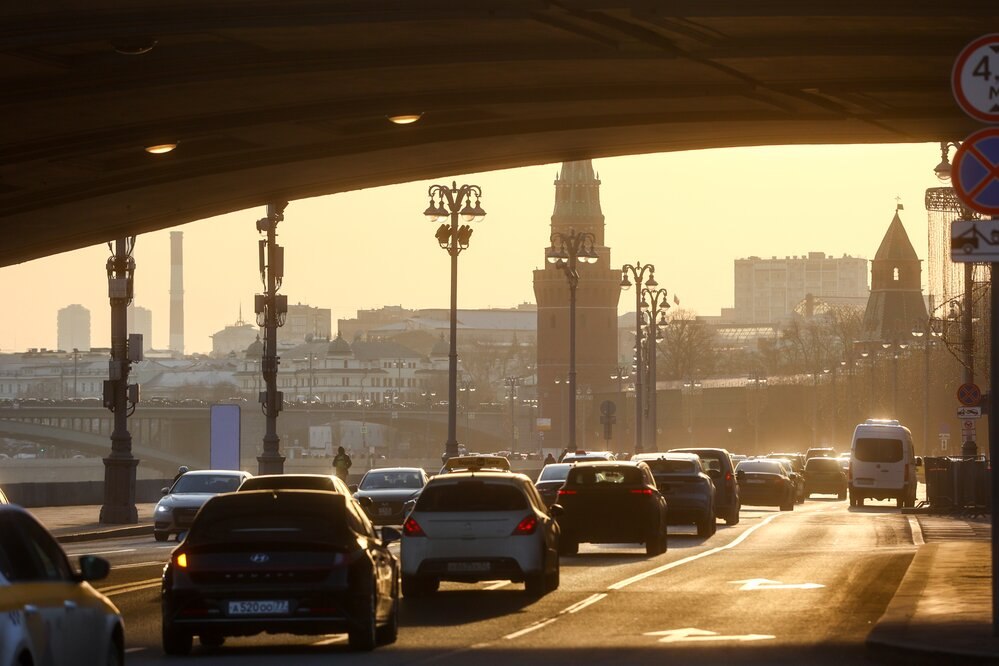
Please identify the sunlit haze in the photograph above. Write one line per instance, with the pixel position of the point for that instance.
(689, 213)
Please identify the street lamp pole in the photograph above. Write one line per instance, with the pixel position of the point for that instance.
(454, 238)
(271, 309)
(511, 386)
(565, 251)
(120, 396)
(896, 348)
(637, 273)
(621, 373)
(657, 305)
(930, 333)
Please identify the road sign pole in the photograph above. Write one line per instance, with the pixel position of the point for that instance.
(994, 438)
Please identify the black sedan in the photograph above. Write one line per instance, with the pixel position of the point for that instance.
(825, 475)
(383, 492)
(689, 491)
(550, 479)
(765, 482)
(280, 561)
(611, 502)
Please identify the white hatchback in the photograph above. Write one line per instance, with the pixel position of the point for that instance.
(475, 526)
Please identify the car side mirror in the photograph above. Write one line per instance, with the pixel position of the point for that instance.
(714, 474)
(390, 534)
(919, 461)
(365, 502)
(164, 491)
(352, 488)
(741, 474)
(94, 568)
(556, 510)
(793, 476)
(408, 505)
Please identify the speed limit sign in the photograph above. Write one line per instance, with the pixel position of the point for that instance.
(975, 79)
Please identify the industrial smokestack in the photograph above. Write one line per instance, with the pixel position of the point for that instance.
(177, 292)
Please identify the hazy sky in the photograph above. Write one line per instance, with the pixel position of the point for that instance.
(689, 213)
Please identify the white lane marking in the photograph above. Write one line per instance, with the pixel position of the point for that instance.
(136, 565)
(101, 552)
(764, 584)
(672, 565)
(534, 627)
(580, 605)
(330, 641)
(917, 531)
(135, 586)
(134, 650)
(497, 585)
(692, 635)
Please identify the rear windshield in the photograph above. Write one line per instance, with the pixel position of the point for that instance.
(206, 483)
(389, 480)
(823, 465)
(609, 476)
(288, 482)
(475, 495)
(554, 473)
(762, 466)
(301, 520)
(672, 466)
(876, 450)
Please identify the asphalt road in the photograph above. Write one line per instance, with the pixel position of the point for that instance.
(795, 587)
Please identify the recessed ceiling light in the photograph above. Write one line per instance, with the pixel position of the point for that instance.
(161, 148)
(405, 118)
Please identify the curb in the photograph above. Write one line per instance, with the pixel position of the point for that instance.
(95, 535)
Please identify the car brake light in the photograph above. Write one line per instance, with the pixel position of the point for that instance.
(641, 491)
(181, 560)
(728, 476)
(411, 528)
(563, 491)
(526, 526)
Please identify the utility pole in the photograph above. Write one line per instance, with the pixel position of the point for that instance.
(271, 309)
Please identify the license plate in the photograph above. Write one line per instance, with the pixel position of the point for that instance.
(384, 511)
(270, 607)
(467, 567)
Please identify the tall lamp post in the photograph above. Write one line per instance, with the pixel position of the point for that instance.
(271, 309)
(452, 202)
(621, 374)
(565, 252)
(656, 307)
(511, 384)
(466, 388)
(896, 348)
(637, 273)
(691, 393)
(931, 333)
(120, 396)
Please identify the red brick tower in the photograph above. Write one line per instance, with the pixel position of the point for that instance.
(577, 208)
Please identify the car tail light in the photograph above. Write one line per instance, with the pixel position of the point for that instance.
(526, 526)
(411, 528)
(563, 491)
(728, 476)
(181, 560)
(641, 491)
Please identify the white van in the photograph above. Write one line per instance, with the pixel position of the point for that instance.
(882, 463)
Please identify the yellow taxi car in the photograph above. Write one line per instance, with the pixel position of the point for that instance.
(49, 613)
(475, 463)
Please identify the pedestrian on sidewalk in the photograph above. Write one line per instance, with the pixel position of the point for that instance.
(341, 463)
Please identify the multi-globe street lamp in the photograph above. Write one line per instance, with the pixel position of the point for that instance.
(453, 202)
(655, 313)
(637, 273)
(565, 252)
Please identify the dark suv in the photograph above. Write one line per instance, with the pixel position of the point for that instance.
(719, 465)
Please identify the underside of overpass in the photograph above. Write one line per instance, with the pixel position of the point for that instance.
(284, 99)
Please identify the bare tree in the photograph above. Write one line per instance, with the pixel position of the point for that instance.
(687, 348)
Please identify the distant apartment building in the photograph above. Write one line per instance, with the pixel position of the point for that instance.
(73, 328)
(767, 291)
(140, 320)
(491, 325)
(304, 323)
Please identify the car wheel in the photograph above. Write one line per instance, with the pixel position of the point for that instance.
(899, 502)
(175, 641)
(552, 579)
(733, 516)
(706, 525)
(161, 536)
(212, 640)
(115, 654)
(655, 544)
(568, 546)
(390, 632)
(841, 495)
(364, 635)
(787, 507)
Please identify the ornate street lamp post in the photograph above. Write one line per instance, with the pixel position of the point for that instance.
(565, 251)
(120, 396)
(453, 202)
(656, 307)
(637, 273)
(271, 309)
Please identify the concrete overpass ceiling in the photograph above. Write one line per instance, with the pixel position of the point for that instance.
(288, 99)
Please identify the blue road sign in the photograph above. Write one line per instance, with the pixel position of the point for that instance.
(975, 172)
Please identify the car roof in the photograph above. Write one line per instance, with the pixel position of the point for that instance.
(395, 469)
(676, 455)
(483, 475)
(700, 449)
(480, 462)
(607, 463)
(215, 472)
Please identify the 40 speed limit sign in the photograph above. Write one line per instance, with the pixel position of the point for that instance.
(975, 79)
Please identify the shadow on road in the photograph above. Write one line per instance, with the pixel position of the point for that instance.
(438, 610)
